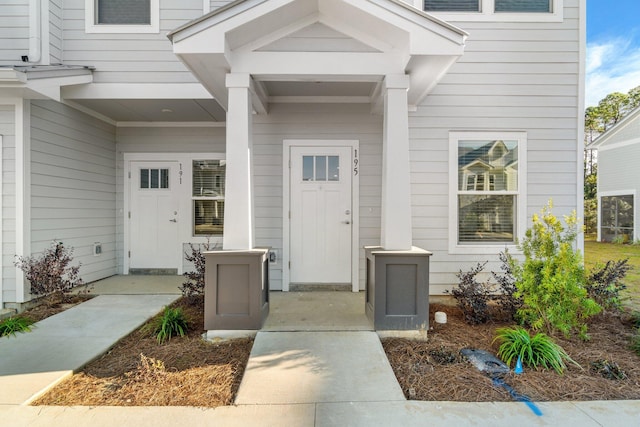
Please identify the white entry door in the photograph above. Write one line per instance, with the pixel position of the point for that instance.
(154, 215)
(321, 215)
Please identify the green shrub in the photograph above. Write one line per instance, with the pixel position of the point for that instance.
(172, 322)
(15, 324)
(536, 351)
(551, 279)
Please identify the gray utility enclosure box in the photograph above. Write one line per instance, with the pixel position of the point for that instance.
(236, 289)
(397, 293)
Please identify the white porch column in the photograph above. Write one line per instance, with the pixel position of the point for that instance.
(396, 190)
(238, 203)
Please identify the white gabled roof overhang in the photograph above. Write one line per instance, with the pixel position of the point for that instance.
(238, 38)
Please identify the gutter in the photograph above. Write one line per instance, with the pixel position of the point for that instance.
(35, 32)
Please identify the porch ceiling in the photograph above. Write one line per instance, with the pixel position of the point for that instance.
(318, 50)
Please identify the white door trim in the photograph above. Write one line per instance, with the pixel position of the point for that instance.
(355, 195)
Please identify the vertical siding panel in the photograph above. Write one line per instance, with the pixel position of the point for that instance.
(7, 130)
(73, 185)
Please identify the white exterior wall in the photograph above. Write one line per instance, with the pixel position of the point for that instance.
(14, 31)
(161, 140)
(129, 57)
(514, 76)
(618, 169)
(73, 190)
(7, 130)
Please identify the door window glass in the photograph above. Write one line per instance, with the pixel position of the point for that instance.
(320, 168)
(154, 178)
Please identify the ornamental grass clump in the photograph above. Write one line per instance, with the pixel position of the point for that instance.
(551, 279)
(172, 322)
(537, 351)
(12, 325)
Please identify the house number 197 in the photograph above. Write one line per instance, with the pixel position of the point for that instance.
(355, 162)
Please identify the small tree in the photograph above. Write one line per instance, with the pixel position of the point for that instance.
(551, 280)
(51, 271)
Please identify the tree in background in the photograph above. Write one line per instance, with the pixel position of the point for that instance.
(597, 120)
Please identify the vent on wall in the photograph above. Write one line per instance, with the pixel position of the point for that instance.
(97, 249)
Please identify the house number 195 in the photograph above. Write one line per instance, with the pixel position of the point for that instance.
(355, 162)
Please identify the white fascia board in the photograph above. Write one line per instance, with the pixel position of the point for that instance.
(51, 87)
(11, 76)
(313, 63)
(136, 91)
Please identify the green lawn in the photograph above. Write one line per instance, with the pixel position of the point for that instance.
(600, 253)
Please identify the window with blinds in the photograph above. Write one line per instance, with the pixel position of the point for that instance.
(208, 188)
(123, 12)
(535, 6)
(487, 190)
(452, 5)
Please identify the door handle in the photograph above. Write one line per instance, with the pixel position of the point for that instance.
(346, 222)
(173, 220)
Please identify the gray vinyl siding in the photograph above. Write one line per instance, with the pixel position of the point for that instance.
(7, 130)
(618, 168)
(129, 58)
(14, 31)
(73, 185)
(321, 121)
(160, 140)
(55, 31)
(214, 4)
(629, 131)
(514, 77)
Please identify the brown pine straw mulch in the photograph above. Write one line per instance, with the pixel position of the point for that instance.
(434, 370)
(53, 304)
(190, 372)
(137, 371)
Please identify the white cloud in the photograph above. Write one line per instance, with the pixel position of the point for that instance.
(612, 66)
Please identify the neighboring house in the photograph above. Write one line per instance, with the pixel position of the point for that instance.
(619, 180)
(313, 127)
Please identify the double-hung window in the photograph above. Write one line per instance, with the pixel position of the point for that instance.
(495, 10)
(208, 187)
(487, 173)
(122, 16)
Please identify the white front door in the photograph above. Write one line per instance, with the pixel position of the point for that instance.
(321, 215)
(154, 215)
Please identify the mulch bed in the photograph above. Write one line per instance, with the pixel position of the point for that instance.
(137, 371)
(191, 372)
(434, 370)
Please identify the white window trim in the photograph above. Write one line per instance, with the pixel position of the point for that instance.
(521, 196)
(92, 27)
(630, 192)
(487, 14)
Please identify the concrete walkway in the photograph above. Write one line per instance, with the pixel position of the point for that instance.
(292, 379)
(30, 363)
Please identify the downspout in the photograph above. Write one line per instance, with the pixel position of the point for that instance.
(35, 32)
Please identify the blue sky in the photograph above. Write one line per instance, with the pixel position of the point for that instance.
(613, 47)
